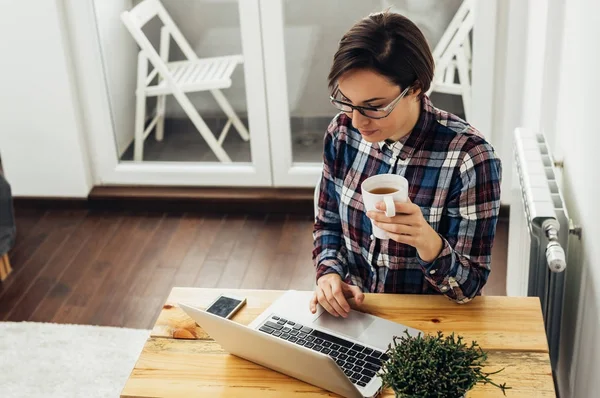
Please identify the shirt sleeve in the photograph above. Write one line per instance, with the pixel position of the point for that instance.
(328, 252)
(461, 269)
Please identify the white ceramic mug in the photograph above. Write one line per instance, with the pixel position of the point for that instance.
(391, 182)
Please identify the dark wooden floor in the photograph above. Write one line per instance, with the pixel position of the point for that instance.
(117, 268)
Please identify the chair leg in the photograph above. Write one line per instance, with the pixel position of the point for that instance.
(160, 114)
(5, 268)
(201, 126)
(161, 100)
(140, 108)
(138, 148)
(226, 107)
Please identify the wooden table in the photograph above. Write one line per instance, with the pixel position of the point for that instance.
(179, 359)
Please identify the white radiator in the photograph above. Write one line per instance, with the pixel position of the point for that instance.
(538, 231)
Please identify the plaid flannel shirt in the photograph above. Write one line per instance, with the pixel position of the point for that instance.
(454, 176)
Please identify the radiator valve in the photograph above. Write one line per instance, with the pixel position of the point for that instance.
(555, 254)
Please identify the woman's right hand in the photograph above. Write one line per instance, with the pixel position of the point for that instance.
(332, 293)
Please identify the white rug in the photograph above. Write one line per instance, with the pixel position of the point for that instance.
(50, 360)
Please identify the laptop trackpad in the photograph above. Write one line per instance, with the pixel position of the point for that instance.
(352, 326)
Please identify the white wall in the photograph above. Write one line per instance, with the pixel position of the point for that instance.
(41, 140)
(552, 74)
(508, 96)
(527, 71)
(552, 85)
(533, 75)
(579, 138)
(488, 16)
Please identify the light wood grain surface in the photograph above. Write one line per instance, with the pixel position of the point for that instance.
(176, 368)
(510, 329)
(496, 323)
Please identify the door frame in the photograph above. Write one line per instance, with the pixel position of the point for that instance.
(286, 173)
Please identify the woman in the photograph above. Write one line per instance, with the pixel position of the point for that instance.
(441, 241)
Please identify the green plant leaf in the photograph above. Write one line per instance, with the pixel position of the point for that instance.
(434, 366)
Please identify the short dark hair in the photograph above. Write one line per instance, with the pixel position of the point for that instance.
(389, 44)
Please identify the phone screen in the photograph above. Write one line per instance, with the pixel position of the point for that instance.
(223, 306)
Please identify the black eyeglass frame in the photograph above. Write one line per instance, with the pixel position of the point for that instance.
(362, 109)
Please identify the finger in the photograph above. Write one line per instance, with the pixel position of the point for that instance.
(407, 219)
(406, 239)
(312, 304)
(338, 294)
(407, 208)
(325, 303)
(378, 216)
(338, 310)
(381, 206)
(401, 207)
(400, 229)
(354, 291)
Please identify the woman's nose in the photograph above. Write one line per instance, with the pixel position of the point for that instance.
(359, 120)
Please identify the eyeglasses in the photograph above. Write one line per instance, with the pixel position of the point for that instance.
(370, 112)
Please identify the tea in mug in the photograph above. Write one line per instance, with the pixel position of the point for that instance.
(383, 191)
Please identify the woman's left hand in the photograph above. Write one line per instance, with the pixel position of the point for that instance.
(408, 226)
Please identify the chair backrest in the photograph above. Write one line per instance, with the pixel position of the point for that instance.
(139, 15)
(145, 11)
(454, 36)
(460, 15)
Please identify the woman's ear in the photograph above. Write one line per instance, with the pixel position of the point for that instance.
(416, 90)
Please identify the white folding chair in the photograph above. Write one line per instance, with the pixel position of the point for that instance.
(452, 55)
(178, 78)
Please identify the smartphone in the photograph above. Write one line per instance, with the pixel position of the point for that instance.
(226, 305)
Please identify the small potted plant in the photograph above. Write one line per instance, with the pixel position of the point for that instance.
(434, 366)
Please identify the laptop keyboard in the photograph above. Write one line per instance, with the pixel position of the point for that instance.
(359, 363)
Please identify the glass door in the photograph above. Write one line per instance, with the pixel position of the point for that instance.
(203, 124)
(273, 103)
(300, 39)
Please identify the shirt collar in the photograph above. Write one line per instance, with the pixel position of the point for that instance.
(406, 145)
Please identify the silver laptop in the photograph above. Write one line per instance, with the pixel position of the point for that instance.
(342, 355)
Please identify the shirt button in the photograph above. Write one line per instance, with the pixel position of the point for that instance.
(372, 237)
(432, 272)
